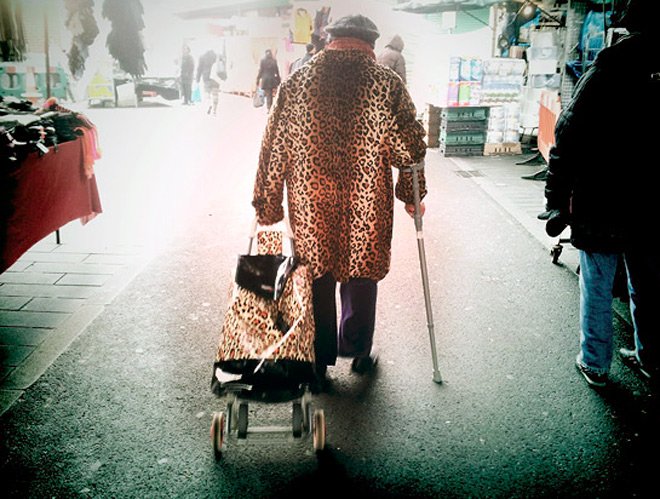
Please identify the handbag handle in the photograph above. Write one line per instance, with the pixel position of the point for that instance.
(289, 235)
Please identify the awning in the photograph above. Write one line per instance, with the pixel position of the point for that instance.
(434, 6)
(224, 8)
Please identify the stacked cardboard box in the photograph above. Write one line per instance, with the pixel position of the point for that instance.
(503, 130)
(464, 87)
(431, 122)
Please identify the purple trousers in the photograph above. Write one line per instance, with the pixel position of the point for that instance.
(356, 325)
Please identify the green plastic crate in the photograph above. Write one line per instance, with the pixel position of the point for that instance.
(462, 137)
(464, 113)
(59, 82)
(461, 150)
(12, 82)
(464, 126)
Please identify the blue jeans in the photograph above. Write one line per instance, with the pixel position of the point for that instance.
(597, 271)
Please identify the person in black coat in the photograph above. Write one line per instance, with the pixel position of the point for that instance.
(602, 180)
(268, 77)
(206, 62)
(187, 73)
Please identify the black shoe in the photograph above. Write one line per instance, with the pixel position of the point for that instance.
(363, 365)
(594, 379)
(629, 358)
(539, 175)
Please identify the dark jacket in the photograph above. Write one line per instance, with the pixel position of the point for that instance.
(204, 66)
(187, 68)
(603, 171)
(269, 74)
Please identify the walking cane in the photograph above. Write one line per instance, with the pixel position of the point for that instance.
(422, 264)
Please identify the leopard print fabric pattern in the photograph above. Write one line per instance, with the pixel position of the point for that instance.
(338, 128)
(250, 329)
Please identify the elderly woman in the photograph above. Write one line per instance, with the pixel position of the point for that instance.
(339, 127)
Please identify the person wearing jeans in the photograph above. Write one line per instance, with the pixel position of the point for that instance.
(597, 271)
(603, 182)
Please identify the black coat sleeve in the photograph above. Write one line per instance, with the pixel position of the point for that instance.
(576, 132)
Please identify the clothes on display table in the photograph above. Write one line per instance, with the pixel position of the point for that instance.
(25, 128)
(47, 177)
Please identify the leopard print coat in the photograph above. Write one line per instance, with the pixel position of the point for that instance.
(338, 127)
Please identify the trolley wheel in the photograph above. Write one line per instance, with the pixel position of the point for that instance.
(242, 420)
(231, 416)
(318, 430)
(555, 252)
(307, 420)
(297, 420)
(218, 433)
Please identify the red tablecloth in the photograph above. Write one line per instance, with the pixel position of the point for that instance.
(46, 193)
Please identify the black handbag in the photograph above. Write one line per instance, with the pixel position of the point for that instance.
(264, 275)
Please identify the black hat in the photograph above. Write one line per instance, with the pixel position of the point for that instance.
(354, 27)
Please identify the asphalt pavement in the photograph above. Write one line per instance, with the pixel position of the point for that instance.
(123, 408)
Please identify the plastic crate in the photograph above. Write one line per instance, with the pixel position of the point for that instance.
(12, 80)
(464, 126)
(462, 150)
(464, 113)
(463, 138)
(59, 82)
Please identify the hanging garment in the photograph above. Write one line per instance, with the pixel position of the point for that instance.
(12, 38)
(302, 26)
(124, 41)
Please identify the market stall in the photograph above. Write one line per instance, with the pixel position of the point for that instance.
(540, 48)
(47, 175)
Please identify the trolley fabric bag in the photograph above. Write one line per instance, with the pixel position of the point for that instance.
(267, 338)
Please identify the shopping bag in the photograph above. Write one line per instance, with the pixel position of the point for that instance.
(264, 275)
(266, 341)
(259, 98)
(196, 94)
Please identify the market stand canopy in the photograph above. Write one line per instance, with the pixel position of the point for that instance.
(224, 8)
(434, 6)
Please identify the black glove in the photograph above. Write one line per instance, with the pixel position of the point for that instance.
(557, 222)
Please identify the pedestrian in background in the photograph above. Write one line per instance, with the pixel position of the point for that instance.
(309, 53)
(337, 168)
(186, 75)
(217, 75)
(392, 57)
(206, 62)
(603, 180)
(268, 77)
